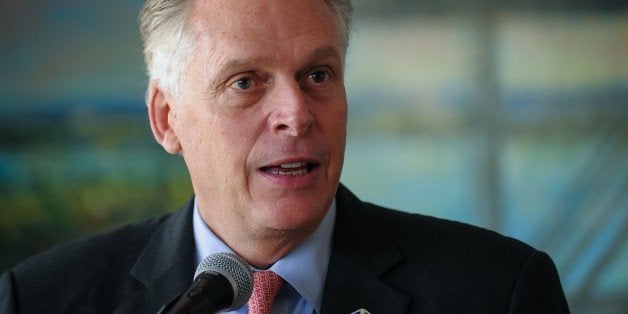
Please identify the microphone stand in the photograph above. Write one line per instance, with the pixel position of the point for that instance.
(208, 290)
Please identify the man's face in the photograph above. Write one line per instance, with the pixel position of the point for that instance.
(262, 116)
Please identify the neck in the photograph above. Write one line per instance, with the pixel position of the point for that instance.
(262, 251)
(260, 247)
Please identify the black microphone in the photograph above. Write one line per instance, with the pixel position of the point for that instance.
(222, 281)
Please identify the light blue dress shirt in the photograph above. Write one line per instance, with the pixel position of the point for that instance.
(304, 269)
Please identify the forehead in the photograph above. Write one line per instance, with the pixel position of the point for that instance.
(282, 27)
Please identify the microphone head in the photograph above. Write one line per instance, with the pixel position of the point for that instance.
(236, 270)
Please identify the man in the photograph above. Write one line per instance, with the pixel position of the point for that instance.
(251, 94)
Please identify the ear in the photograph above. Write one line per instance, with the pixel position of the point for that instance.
(160, 118)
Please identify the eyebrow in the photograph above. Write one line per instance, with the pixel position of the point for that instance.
(235, 65)
(324, 52)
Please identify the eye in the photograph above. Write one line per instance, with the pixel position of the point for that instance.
(243, 83)
(319, 76)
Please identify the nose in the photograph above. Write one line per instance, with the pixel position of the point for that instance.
(291, 114)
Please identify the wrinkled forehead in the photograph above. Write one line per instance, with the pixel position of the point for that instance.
(269, 21)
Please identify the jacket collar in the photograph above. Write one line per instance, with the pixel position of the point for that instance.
(362, 252)
(166, 265)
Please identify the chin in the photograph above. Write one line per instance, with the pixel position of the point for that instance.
(294, 216)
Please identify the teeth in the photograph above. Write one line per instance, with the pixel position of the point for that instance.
(289, 173)
(293, 165)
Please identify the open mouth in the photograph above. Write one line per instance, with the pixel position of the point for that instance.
(290, 169)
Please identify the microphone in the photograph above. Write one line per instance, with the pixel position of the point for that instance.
(222, 281)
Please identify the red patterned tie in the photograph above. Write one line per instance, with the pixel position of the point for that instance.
(266, 284)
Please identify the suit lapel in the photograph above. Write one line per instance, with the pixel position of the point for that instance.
(362, 252)
(166, 266)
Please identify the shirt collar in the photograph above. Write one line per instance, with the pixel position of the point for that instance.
(305, 268)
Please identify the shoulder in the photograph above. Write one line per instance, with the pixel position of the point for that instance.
(421, 233)
(427, 233)
(78, 273)
(120, 245)
(484, 269)
(453, 266)
(101, 272)
(445, 241)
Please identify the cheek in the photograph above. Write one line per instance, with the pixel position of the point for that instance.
(335, 124)
(236, 137)
(340, 130)
(202, 142)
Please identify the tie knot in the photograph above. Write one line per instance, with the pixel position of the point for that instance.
(266, 284)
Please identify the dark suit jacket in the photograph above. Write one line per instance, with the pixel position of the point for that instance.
(382, 260)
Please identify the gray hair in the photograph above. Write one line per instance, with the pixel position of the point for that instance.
(167, 47)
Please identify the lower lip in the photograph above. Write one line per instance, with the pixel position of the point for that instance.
(299, 181)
